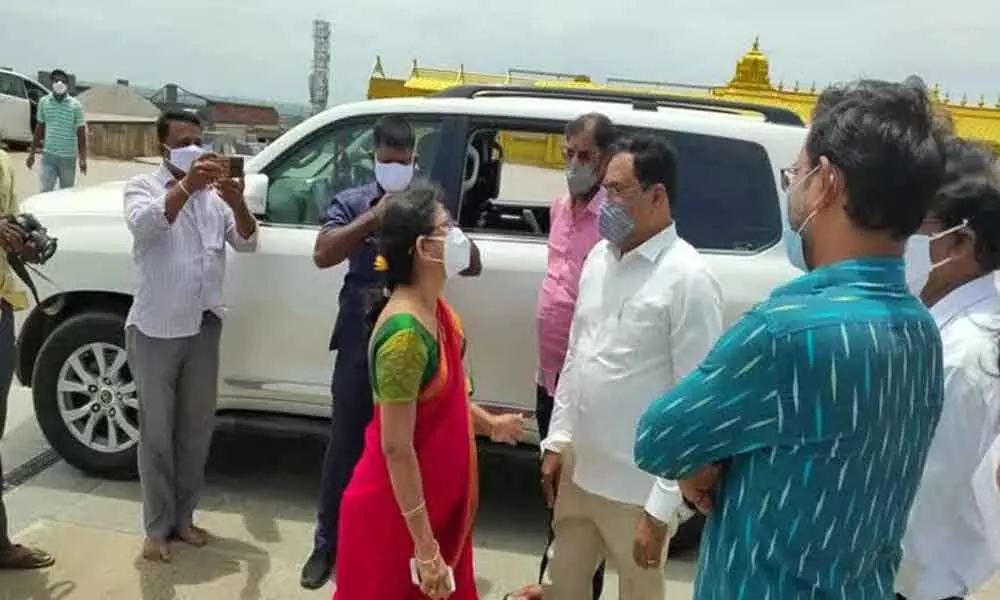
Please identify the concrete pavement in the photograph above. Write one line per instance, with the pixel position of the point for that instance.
(259, 505)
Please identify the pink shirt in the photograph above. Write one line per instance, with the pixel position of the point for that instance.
(571, 237)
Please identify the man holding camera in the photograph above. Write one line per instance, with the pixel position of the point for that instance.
(181, 217)
(12, 556)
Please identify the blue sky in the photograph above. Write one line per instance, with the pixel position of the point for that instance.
(262, 48)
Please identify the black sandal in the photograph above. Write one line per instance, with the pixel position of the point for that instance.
(22, 558)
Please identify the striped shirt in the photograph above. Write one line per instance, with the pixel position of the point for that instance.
(821, 404)
(181, 265)
(62, 119)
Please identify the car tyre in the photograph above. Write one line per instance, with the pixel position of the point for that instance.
(79, 400)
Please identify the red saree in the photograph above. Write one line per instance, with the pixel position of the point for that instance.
(374, 546)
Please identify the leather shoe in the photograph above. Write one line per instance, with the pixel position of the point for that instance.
(317, 570)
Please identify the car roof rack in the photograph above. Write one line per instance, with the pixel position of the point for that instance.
(639, 100)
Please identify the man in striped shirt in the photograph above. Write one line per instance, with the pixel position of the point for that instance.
(63, 127)
(181, 218)
(806, 428)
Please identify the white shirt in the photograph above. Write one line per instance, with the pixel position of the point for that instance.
(945, 551)
(182, 264)
(642, 322)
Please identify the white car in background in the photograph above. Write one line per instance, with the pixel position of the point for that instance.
(275, 364)
(19, 97)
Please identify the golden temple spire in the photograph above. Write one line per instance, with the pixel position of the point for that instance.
(753, 70)
(415, 72)
(377, 70)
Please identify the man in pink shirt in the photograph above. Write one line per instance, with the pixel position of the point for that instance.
(572, 234)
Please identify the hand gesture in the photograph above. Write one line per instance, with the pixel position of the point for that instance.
(700, 487)
(230, 190)
(507, 429)
(380, 206)
(30, 161)
(650, 538)
(11, 237)
(434, 577)
(204, 171)
(551, 471)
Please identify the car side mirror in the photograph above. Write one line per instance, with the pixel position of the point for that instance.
(255, 193)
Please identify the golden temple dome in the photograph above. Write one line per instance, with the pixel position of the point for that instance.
(753, 70)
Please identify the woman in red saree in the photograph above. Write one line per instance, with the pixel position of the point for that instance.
(413, 494)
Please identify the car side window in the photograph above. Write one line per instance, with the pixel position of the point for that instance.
(12, 85)
(726, 197)
(513, 173)
(309, 175)
(35, 91)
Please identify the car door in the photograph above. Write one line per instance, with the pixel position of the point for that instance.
(505, 212)
(15, 109)
(728, 207)
(276, 347)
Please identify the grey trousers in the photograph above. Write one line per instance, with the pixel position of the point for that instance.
(6, 373)
(177, 383)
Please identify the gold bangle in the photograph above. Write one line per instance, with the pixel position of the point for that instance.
(414, 511)
(433, 559)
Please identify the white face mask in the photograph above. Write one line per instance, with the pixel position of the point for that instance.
(182, 158)
(393, 177)
(60, 88)
(917, 256)
(457, 252)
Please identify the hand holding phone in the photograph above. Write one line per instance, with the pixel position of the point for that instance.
(234, 168)
(449, 580)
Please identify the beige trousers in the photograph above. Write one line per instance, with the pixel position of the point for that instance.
(589, 528)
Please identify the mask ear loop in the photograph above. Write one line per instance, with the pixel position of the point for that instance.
(421, 254)
(963, 225)
(943, 234)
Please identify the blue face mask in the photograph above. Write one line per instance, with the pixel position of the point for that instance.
(614, 224)
(792, 237)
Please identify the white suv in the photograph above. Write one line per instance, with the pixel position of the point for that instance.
(275, 368)
(19, 98)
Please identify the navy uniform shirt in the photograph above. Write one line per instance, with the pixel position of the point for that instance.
(363, 285)
(821, 403)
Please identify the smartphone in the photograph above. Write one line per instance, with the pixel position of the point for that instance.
(236, 167)
(415, 576)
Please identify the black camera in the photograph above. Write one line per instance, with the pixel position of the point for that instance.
(37, 247)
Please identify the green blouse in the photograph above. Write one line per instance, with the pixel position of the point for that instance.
(404, 359)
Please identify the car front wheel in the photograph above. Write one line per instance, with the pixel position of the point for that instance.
(85, 398)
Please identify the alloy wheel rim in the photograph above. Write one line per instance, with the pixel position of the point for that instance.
(97, 398)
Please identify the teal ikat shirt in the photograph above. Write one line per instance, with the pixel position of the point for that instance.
(821, 404)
